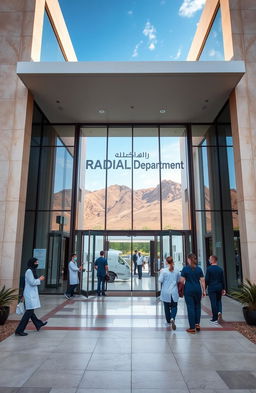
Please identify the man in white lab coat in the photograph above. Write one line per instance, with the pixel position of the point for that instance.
(73, 270)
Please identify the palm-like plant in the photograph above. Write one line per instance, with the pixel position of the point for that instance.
(246, 295)
(7, 296)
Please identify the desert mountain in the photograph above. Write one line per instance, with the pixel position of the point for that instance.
(146, 207)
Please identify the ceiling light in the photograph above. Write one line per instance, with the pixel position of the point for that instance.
(101, 111)
(162, 111)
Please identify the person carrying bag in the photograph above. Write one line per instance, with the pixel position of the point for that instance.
(31, 297)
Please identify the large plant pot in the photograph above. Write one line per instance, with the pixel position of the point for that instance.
(4, 313)
(249, 316)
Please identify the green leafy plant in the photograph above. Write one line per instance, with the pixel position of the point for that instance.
(7, 296)
(246, 295)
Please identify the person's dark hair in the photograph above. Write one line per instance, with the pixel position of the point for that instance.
(102, 253)
(136, 251)
(73, 255)
(32, 267)
(169, 260)
(193, 259)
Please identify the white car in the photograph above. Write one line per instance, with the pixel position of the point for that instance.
(117, 266)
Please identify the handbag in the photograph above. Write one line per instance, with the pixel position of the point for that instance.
(20, 309)
(181, 289)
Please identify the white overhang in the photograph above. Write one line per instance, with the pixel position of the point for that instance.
(131, 92)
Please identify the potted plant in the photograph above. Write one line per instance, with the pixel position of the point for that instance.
(247, 296)
(7, 296)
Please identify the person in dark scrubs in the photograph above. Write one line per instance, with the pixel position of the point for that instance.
(193, 277)
(101, 265)
(214, 281)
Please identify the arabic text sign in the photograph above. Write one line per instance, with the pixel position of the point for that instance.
(130, 160)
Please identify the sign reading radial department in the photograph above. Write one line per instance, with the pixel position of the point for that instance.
(135, 160)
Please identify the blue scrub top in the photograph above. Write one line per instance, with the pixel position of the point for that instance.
(214, 278)
(101, 263)
(192, 276)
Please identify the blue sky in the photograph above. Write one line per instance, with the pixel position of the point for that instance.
(131, 30)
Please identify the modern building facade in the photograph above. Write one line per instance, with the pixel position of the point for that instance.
(154, 156)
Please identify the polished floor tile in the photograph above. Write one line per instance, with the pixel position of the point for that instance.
(110, 362)
(154, 361)
(238, 379)
(121, 345)
(55, 378)
(106, 380)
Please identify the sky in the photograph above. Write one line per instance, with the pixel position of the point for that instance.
(129, 30)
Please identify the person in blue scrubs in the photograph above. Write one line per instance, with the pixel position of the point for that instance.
(214, 280)
(169, 278)
(193, 278)
(101, 265)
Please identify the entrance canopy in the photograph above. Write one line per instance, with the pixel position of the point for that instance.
(131, 92)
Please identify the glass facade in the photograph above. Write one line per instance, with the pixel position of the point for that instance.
(213, 48)
(165, 188)
(50, 49)
(133, 178)
(216, 196)
(48, 204)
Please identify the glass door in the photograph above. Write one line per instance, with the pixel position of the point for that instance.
(88, 247)
(180, 247)
(56, 261)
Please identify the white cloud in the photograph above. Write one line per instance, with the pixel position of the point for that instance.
(136, 49)
(150, 32)
(189, 7)
(215, 54)
(178, 54)
(130, 12)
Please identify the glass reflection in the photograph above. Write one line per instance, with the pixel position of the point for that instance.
(174, 181)
(92, 179)
(119, 179)
(146, 179)
(213, 48)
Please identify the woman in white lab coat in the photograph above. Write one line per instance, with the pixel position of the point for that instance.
(31, 297)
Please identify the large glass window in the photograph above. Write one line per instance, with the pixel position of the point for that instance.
(133, 178)
(119, 178)
(91, 210)
(50, 49)
(174, 178)
(48, 204)
(216, 196)
(146, 179)
(213, 48)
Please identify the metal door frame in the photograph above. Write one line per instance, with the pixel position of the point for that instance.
(92, 234)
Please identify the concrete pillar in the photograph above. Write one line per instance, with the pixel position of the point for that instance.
(16, 108)
(243, 119)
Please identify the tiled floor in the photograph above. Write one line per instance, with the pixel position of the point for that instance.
(121, 345)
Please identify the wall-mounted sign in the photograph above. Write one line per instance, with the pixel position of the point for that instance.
(129, 160)
(40, 255)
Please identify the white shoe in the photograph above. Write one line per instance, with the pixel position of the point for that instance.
(219, 315)
(214, 323)
(167, 324)
(66, 296)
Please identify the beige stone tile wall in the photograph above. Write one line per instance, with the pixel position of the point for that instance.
(243, 115)
(16, 106)
(239, 39)
(21, 26)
